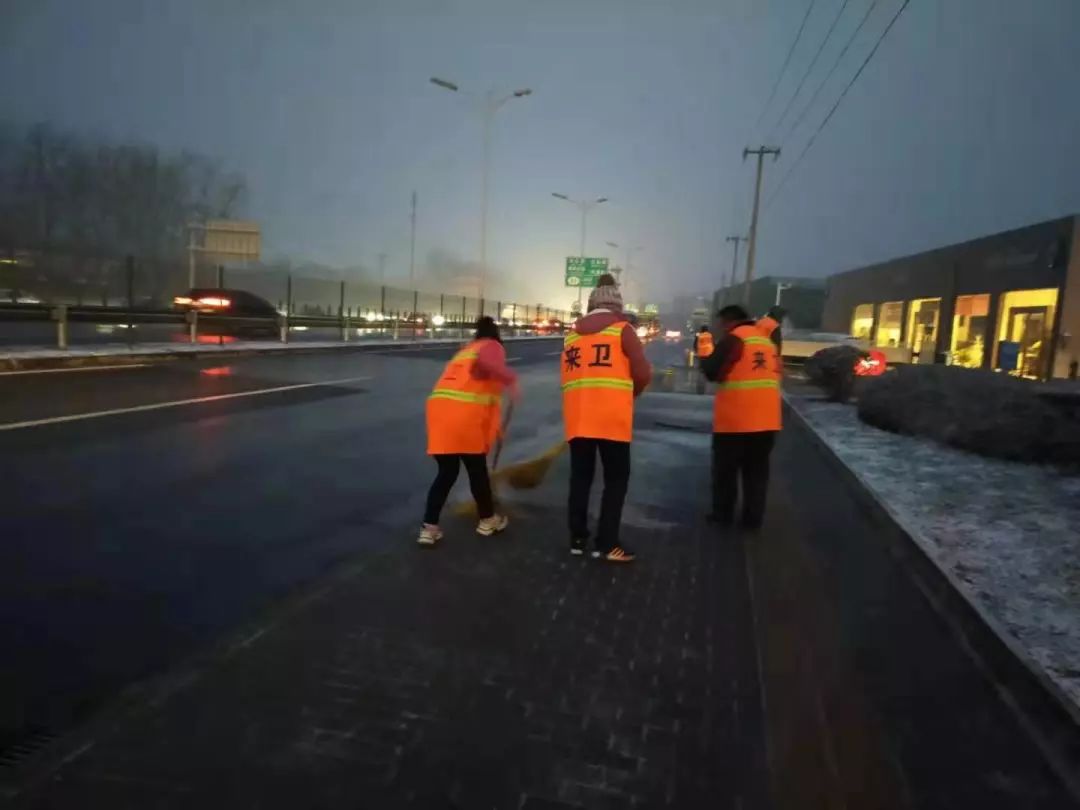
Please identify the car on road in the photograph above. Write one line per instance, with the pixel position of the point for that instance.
(227, 303)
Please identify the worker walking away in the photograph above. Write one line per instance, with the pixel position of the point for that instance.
(463, 422)
(603, 370)
(747, 368)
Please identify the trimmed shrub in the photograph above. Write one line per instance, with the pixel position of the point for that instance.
(980, 411)
(833, 371)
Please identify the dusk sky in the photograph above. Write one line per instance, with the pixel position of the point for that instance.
(965, 122)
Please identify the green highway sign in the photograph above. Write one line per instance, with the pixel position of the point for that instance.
(582, 271)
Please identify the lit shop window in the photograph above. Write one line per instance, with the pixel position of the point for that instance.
(890, 324)
(862, 321)
(969, 332)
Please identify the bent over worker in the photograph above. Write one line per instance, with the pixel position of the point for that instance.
(463, 415)
(603, 370)
(746, 414)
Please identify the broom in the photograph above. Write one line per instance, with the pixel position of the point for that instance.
(530, 474)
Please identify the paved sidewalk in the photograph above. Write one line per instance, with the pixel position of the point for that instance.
(800, 669)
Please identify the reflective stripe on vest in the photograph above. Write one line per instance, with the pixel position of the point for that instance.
(748, 400)
(462, 410)
(464, 396)
(598, 391)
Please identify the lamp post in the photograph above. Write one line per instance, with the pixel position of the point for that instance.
(585, 206)
(630, 251)
(492, 104)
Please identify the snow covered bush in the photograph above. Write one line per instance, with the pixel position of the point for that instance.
(833, 371)
(980, 411)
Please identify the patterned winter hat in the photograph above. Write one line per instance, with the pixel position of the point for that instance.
(606, 295)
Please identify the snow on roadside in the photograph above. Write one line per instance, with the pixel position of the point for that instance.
(1009, 532)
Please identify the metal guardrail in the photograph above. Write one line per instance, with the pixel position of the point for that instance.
(277, 327)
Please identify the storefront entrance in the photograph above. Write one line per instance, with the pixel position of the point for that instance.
(1028, 326)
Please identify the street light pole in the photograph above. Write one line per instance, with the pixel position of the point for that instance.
(585, 206)
(412, 242)
(491, 106)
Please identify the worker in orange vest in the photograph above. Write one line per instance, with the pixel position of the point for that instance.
(463, 422)
(703, 343)
(603, 370)
(747, 367)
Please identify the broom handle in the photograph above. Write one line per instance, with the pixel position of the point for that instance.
(502, 435)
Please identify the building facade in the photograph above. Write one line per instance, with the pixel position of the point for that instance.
(1010, 302)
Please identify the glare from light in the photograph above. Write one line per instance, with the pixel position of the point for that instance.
(438, 320)
(642, 332)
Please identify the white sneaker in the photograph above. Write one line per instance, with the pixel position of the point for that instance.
(492, 525)
(429, 535)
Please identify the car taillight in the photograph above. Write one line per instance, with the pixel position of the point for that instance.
(214, 301)
(182, 301)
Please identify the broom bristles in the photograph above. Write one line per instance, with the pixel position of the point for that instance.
(530, 474)
(523, 475)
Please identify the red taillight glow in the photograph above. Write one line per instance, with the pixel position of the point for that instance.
(217, 371)
(214, 301)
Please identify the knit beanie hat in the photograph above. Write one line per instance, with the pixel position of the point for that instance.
(606, 295)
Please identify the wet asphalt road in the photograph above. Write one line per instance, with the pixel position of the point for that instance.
(133, 539)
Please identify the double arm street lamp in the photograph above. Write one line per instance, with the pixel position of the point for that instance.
(630, 251)
(492, 104)
(585, 206)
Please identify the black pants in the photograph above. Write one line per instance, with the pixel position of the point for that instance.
(479, 483)
(741, 456)
(615, 456)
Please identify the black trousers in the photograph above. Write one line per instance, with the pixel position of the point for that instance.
(615, 456)
(745, 457)
(479, 483)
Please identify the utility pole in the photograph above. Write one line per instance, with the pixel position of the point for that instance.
(734, 261)
(382, 268)
(412, 243)
(751, 251)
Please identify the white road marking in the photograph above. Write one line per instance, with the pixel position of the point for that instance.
(70, 370)
(512, 359)
(157, 406)
(553, 354)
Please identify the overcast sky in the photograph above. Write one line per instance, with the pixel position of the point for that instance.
(965, 122)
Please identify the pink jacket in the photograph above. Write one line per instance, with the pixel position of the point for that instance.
(491, 364)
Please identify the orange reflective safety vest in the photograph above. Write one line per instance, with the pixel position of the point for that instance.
(704, 344)
(748, 400)
(598, 390)
(462, 411)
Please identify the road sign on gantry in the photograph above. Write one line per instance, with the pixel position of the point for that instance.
(583, 271)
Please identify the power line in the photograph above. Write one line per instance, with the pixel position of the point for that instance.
(832, 70)
(813, 63)
(828, 117)
(787, 61)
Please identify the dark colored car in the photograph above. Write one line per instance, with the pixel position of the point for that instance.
(235, 303)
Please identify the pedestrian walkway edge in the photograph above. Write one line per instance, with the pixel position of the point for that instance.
(1047, 715)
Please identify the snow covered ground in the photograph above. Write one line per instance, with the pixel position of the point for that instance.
(1009, 532)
